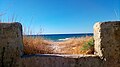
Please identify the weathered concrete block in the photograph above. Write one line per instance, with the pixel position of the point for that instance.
(107, 42)
(10, 44)
(61, 61)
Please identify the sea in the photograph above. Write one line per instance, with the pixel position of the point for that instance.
(61, 37)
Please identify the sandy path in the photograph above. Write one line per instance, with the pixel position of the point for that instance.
(56, 48)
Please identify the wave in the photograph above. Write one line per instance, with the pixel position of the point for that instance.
(64, 39)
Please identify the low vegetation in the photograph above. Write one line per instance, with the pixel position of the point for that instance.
(38, 45)
(82, 45)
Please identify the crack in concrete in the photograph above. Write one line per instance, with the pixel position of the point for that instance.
(2, 58)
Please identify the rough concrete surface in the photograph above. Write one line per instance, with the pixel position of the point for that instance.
(107, 42)
(10, 43)
(61, 61)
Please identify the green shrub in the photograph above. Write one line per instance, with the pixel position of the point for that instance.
(88, 45)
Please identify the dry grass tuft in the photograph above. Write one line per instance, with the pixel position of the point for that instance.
(36, 45)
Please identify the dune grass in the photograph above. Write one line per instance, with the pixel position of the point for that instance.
(38, 45)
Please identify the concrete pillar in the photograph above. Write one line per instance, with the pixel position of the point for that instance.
(10, 44)
(107, 42)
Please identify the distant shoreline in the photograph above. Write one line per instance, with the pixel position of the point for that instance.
(61, 37)
(61, 34)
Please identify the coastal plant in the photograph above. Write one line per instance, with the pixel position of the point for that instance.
(88, 45)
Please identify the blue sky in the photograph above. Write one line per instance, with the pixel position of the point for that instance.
(59, 16)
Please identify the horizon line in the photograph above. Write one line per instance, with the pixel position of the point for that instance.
(59, 33)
